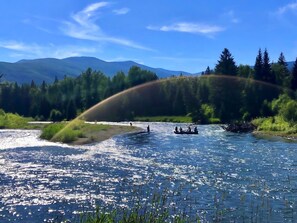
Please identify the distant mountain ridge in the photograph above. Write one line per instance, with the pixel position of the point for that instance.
(46, 69)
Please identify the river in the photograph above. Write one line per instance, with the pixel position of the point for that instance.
(215, 175)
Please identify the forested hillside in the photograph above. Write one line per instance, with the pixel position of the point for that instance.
(233, 93)
(47, 69)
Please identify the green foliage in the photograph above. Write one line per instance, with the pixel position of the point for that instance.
(293, 83)
(156, 210)
(63, 132)
(50, 130)
(64, 98)
(276, 123)
(56, 115)
(289, 111)
(285, 120)
(70, 132)
(258, 67)
(245, 71)
(177, 119)
(13, 121)
(138, 76)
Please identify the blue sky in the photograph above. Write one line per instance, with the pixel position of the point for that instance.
(177, 35)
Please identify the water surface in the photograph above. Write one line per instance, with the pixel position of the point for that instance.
(216, 175)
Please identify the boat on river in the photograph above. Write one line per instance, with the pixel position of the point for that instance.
(186, 132)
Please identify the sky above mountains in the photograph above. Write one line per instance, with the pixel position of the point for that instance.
(177, 35)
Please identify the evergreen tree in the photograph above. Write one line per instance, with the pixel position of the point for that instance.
(282, 76)
(71, 110)
(245, 71)
(282, 60)
(258, 68)
(207, 71)
(268, 76)
(294, 76)
(226, 64)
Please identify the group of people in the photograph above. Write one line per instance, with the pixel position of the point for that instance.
(188, 130)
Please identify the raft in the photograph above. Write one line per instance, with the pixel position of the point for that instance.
(186, 133)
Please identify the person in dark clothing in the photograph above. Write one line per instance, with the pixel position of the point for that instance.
(148, 128)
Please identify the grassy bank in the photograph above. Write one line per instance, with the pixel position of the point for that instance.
(275, 126)
(14, 121)
(78, 132)
(177, 119)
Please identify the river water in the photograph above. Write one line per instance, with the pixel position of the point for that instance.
(215, 176)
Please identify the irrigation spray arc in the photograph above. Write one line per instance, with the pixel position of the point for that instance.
(133, 101)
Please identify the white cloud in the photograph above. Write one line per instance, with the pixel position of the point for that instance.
(83, 25)
(195, 28)
(287, 8)
(22, 50)
(121, 11)
(20, 46)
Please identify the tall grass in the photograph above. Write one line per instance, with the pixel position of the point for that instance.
(276, 125)
(68, 133)
(13, 121)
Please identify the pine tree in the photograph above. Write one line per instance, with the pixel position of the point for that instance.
(207, 71)
(282, 73)
(268, 76)
(226, 64)
(282, 60)
(294, 76)
(258, 66)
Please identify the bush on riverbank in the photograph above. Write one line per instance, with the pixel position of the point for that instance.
(65, 132)
(275, 125)
(13, 121)
(284, 122)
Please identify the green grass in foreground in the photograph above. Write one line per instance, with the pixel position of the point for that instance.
(178, 119)
(134, 216)
(275, 126)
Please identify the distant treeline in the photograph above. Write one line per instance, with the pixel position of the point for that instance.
(66, 98)
(223, 97)
(263, 70)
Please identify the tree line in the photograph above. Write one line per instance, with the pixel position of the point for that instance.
(65, 99)
(207, 99)
(263, 70)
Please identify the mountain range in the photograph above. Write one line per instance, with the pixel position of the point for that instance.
(46, 69)
(24, 71)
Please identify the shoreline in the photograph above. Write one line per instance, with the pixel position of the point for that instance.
(102, 135)
(270, 134)
(78, 132)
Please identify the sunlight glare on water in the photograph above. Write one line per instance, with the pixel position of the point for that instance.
(215, 169)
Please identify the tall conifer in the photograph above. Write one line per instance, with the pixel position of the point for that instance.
(226, 64)
(258, 66)
(294, 76)
(268, 76)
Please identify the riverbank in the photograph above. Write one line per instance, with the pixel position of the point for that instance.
(77, 132)
(275, 135)
(275, 126)
(176, 119)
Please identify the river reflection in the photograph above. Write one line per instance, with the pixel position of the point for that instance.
(216, 175)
